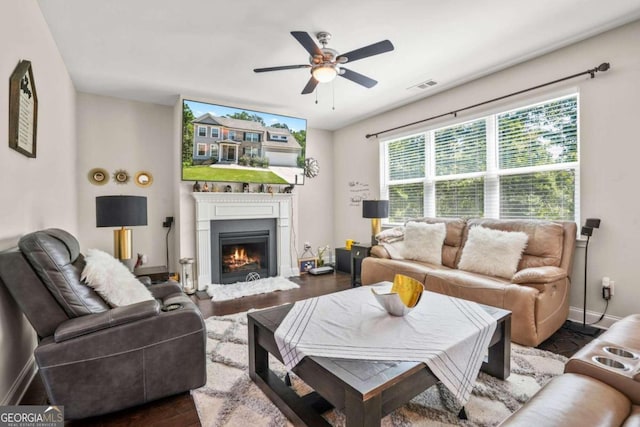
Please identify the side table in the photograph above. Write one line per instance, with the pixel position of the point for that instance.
(343, 260)
(359, 252)
(157, 274)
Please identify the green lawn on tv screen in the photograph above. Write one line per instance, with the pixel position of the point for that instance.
(206, 173)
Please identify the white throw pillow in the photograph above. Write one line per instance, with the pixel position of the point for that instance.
(493, 252)
(423, 242)
(112, 280)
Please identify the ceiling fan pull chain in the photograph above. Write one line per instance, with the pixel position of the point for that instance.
(333, 92)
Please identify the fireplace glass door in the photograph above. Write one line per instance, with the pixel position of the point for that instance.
(244, 256)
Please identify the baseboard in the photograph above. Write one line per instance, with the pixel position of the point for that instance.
(21, 384)
(575, 315)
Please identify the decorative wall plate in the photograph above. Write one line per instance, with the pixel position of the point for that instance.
(98, 176)
(121, 176)
(311, 167)
(143, 179)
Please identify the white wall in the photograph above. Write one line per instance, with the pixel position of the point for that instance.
(609, 152)
(36, 193)
(118, 134)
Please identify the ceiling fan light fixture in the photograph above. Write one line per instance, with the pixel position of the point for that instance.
(324, 73)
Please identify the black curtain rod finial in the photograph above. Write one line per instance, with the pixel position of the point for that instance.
(602, 67)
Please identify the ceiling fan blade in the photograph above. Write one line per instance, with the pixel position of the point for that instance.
(307, 42)
(283, 67)
(311, 86)
(358, 78)
(367, 51)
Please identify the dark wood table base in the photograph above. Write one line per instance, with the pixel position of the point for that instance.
(365, 390)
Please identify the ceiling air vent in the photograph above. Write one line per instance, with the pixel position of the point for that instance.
(426, 84)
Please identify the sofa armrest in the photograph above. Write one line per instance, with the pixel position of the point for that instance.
(163, 290)
(538, 275)
(379, 251)
(83, 325)
(145, 280)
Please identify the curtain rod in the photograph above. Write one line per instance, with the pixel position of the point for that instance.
(602, 67)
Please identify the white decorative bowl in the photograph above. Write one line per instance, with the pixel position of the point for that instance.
(405, 294)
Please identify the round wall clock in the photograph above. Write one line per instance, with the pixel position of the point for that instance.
(98, 176)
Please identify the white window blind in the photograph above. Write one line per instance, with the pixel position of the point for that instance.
(521, 163)
(460, 151)
(541, 138)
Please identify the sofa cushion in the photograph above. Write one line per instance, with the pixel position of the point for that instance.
(546, 239)
(453, 239)
(492, 252)
(112, 280)
(423, 242)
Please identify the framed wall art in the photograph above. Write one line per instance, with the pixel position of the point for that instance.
(23, 110)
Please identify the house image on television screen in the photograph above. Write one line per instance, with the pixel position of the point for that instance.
(225, 140)
(227, 144)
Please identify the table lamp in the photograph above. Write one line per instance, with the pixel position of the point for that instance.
(375, 209)
(121, 211)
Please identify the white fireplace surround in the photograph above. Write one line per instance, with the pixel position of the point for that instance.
(223, 206)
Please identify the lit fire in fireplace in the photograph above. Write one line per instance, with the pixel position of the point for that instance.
(238, 259)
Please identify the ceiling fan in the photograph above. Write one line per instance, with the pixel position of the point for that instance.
(326, 63)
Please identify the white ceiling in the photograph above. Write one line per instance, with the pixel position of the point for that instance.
(155, 50)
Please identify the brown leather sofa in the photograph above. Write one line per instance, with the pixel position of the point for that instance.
(537, 295)
(94, 359)
(591, 393)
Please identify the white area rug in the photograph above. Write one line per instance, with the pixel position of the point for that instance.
(243, 289)
(230, 398)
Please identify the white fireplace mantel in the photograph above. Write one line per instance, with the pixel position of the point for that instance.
(224, 206)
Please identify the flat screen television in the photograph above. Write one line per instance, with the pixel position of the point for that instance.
(227, 144)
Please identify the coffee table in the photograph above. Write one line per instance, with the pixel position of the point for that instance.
(365, 390)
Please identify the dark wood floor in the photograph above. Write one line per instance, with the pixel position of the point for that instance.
(180, 410)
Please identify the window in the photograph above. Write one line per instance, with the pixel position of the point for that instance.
(202, 149)
(277, 137)
(521, 163)
(202, 131)
(215, 133)
(251, 151)
(252, 136)
(232, 135)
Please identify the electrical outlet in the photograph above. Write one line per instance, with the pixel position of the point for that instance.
(612, 287)
(607, 290)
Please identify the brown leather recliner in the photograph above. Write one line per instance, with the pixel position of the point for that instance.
(94, 359)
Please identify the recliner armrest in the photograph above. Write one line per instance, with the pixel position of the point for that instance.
(83, 325)
(538, 275)
(163, 290)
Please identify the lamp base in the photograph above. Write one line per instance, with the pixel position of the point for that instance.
(122, 243)
(376, 227)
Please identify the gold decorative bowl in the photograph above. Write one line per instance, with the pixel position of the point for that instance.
(405, 294)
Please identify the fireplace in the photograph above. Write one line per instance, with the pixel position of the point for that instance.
(211, 208)
(243, 250)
